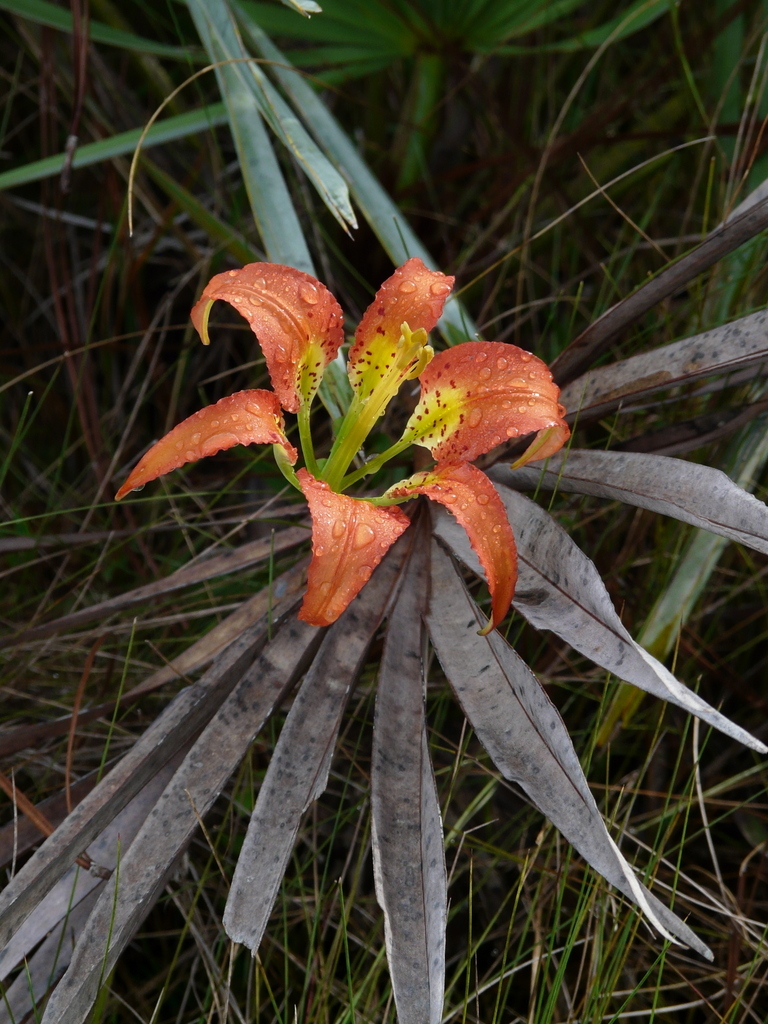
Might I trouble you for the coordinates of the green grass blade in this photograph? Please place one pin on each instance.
(305, 7)
(168, 130)
(44, 13)
(270, 200)
(388, 223)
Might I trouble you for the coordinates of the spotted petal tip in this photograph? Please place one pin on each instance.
(415, 295)
(471, 497)
(247, 417)
(480, 394)
(298, 322)
(349, 538)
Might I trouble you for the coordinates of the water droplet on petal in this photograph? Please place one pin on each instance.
(233, 273)
(261, 282)
(525, 356)
(319, 550)
(139, 488)
(511, 432)
(191, 456)
(179, 445)
(214, 423)
(485, 373)
(324, 587)
(483, 499)
(561, 410)
(482, 356)
(522, 408)
(439, 288)
(338, 528)
(364, 535)
(474, 417)
(327, 502)
(496, 529)
(308, 292)
(449, 499)
(506, 404)
(406, 287)
(195, 439)
(501, 362)
(365, 571)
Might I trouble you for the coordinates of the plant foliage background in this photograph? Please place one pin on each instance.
(487, 124)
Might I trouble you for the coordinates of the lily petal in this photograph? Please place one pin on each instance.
(471, 497)
(247, 417)
(298, 322)
(415, 295)
(349, 539)
(478, 395)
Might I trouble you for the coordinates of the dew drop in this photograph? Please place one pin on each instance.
(439, 288)
(496, 529)
(324, 587)
(406, 287)
(261, 282)
(364, 535)
(139, 488)
(483, 499)
(561, 410)
(531, 401)
(191, 456)
(522, 408)
(501, 362)
(233, 273)
(319, 550)
(482, 356)
(308, 292)
(179, 445)
(474, 417)
(338, 528)
(195, 439)
(365, 571)
(506, 404)
(525, 356)
(518, 382)
(327, 502)
(485, 373)
(214, 423)
(449, 499)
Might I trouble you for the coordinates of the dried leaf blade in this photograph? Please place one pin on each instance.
(407, 835)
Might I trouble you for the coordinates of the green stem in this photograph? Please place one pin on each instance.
(375, 464)
(305, 439)
(285, 467)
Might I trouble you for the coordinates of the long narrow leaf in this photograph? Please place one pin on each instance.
(224, 43)
(732, 347)
(406, 830)
(187, 713)
(190, 794)
(298, 770)
(560, 589)
(168, 130)
(526, 738)
(43, 13)
(271, 203)
(388, 223)
(695, 494)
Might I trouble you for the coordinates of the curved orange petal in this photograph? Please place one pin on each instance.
(298, 322)
(471, 497)
(479, 394)
(247, 417)
(414, 295)
(349, 538)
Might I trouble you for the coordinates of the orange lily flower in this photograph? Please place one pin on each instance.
(473, 398)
